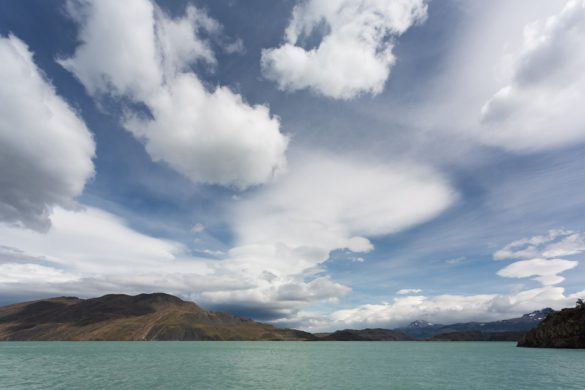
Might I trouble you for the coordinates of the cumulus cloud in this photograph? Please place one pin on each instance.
(209, 136)
(354, 50)
(540, 107)
(46, 149)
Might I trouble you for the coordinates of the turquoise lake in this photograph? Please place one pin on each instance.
(287, 365)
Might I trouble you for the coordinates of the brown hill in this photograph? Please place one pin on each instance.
(562, 329)
(122, 317)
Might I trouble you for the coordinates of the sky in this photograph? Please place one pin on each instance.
(319, 164)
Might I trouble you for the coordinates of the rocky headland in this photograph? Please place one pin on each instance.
(562, 329)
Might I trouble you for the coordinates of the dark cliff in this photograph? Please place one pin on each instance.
(562, 329)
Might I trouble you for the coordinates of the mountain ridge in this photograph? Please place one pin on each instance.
(426, 330)
(120, 317)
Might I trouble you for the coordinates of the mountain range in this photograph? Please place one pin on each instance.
(421, 329)
(162, 316)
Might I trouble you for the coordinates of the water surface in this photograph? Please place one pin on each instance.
(287, 365)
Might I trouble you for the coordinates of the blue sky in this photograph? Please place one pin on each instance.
(318, 164)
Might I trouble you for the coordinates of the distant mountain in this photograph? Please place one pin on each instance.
(422, 324)
(478, 336)
(562, 329)
(123, 317)
(365, 335)
(423, 329)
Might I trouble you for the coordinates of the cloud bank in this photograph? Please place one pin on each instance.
(449, 308)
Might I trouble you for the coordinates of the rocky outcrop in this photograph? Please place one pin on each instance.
(124, 317)
(563, 329)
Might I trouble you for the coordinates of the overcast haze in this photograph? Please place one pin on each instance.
(320, 164)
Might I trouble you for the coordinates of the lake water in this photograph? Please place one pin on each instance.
(287, 365)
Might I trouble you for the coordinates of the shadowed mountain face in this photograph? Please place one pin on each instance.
(123, 317)
(366, 335)
(562, 329)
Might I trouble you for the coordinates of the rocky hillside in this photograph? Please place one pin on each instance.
(562, 329)
(123, 317)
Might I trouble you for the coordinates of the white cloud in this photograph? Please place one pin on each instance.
(409, 291)
(541, 251)
(451, 308)
(209, 136)
(46, 150)
(33, 274)
(354, 54)
(540, 107)
(545, 270)
(287, 229)
(448, 308)
(283, 232)
(557, 242)
(92, 241)
(572, 244)
(89, 252)
(118, 54)
(327, 203)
